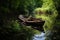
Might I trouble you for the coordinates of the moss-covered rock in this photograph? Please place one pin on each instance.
(48, 13)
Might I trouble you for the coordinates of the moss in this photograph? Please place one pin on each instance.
(48, 5)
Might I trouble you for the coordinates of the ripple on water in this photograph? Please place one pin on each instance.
(39, 36)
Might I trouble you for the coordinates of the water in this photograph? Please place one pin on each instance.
(39, 36)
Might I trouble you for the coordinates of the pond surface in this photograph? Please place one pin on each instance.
(40, 36)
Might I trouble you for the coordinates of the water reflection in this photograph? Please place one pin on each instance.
(39, 36)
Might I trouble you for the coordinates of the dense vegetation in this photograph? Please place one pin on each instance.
(11, 28)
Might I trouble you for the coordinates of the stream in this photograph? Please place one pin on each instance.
(40, 36)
